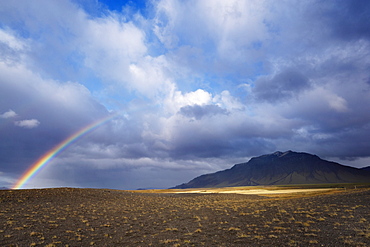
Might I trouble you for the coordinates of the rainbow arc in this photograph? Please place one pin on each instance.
(52, 153)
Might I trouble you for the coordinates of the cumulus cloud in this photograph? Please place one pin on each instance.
(176, 99)
(199, 85)
(28, 124)
(197, 111)
(223, 35)
(8, 114)
(111, 56)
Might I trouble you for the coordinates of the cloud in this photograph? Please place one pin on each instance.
(197, 86)
(11, 41)
(197, 111)
(28, 124)
(350, 24)
(177, 99)
(286, 84)
(111, 56)
(61, 108)
(221, 35)
(8, 114)
(174, 19)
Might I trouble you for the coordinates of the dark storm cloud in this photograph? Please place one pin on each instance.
(44, 113)
(348, 20)
(198, 111)
(284, 85)
(196, 147)
(199, 85)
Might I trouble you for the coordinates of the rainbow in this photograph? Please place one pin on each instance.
(48, 156)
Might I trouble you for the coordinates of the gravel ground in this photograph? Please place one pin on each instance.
(100, 217)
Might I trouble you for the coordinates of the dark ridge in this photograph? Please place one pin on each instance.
(281, 168)
(367, 168)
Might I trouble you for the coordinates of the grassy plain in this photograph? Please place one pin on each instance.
(101, 217)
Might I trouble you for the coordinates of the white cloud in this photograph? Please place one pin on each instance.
(225, 36)
(179, 99)
(226, 100)
(12, 48)
(186, 80)
(11, 41)
(227, 23)
(8, 114)
(165, 21)
(337, 103)
(148, 77)
(235, 24)
(28, 124)
(201, 97)
(116, 50)
(110, 46)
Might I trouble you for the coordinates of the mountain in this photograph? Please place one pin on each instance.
(367, 168)
(281, 168)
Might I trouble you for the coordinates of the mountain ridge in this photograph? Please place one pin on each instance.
(367, 168)
(280, 168)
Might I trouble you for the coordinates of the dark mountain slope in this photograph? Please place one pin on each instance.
(281, 168)
(366, 168)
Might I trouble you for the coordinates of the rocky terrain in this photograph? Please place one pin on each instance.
(100, 217)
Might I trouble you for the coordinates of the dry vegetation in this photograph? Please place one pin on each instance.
(91, 217)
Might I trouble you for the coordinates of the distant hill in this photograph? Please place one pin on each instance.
(281, 168)
(366, 168)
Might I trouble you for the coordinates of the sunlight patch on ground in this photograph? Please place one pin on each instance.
(256, 191)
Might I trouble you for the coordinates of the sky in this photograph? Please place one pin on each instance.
(194, 87)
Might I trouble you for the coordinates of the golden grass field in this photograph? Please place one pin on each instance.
(240, 216)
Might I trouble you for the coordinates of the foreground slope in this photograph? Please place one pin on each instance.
(279, 169)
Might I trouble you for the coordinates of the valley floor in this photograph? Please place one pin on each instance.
(100, 217)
